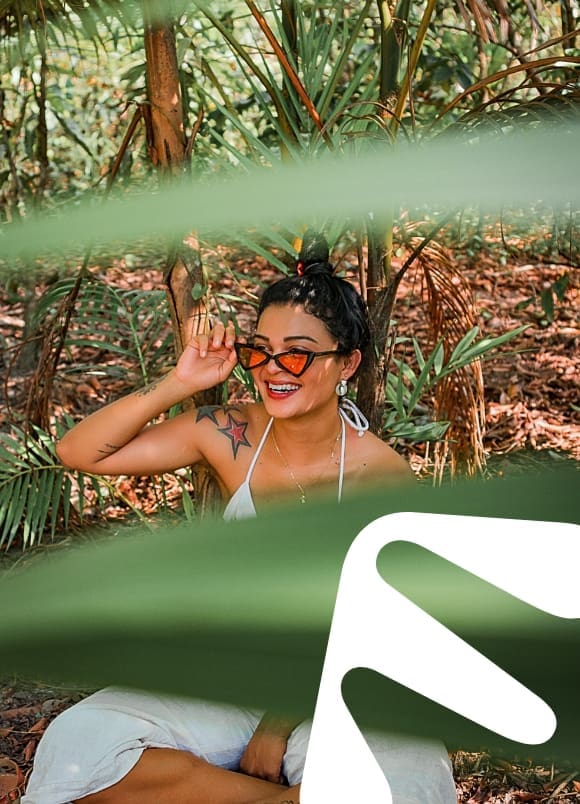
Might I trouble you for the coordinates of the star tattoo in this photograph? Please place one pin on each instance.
(236, 432)
(209, 412)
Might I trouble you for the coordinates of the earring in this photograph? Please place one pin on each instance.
(341, 388)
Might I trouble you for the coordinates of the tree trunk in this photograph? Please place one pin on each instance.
(373, 371)
(168, 151)
(166, 133)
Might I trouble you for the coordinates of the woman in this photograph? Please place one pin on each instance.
(121, 746)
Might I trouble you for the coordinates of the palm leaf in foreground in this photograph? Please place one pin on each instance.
(241, 611)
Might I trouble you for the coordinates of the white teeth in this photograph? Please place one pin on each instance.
(284, 387)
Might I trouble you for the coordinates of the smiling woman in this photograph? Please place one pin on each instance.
(120, 746)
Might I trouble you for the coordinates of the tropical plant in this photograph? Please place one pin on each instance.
(37, 494)
(297, 82)
(130, 324)
(409, 418)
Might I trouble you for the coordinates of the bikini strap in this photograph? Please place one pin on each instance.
(353, 415)
(258, 450)
(342, 457)
(348, 412)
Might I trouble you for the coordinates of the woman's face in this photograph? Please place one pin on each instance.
(282, 328)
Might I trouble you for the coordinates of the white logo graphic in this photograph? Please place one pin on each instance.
(376, 627)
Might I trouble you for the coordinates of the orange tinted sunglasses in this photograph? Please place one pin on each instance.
(294, 362)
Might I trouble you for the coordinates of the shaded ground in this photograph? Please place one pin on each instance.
(532, 419)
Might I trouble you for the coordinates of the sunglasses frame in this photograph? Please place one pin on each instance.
(310, 356)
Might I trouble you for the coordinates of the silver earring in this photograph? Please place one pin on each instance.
(341, 388)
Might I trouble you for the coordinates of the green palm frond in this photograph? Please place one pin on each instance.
(335, 70)
(18, 17)
(38, 495)
(549, 92)
(35, 489)
(559, 104)
(132, 324)
(407, 416)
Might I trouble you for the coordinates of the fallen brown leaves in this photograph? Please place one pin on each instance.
(481, 777)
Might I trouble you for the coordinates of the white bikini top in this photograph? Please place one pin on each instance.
(241, 503)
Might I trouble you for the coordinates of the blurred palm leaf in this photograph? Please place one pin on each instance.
(175, 612)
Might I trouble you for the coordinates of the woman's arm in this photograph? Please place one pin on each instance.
(116, 440)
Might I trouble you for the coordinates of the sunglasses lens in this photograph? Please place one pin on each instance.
(294, 363)
(251, 358)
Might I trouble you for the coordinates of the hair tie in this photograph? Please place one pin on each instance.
(300, 268)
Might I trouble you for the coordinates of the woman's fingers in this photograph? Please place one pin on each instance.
(230, 334)
(220, 335)
(223, 335)
(201, 342)
(217, 335)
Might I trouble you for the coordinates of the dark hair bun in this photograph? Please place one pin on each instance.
(332, 300)
(313, 257)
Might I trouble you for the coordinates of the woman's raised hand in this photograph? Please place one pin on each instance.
(208, 359)
(115, 439)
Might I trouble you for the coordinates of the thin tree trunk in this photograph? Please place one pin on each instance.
(168, 150)
(167, 144)
(568, 23)
(290, 27)
(373, 371)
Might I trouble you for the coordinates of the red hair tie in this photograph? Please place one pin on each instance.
(300, 268)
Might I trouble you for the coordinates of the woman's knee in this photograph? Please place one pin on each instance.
(67, 734)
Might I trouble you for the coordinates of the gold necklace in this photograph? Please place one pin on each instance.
(289, 468)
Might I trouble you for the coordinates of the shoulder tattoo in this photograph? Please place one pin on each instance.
(209, 412)
(236, 432)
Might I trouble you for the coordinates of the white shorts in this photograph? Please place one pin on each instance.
(96, 742)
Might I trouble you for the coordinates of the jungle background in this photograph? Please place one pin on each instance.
(475, 370)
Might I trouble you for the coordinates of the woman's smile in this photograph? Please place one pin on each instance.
(280, 390)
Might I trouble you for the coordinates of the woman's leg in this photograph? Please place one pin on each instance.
(291, 795)
(177, 777)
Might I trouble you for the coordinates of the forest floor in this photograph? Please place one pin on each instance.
(533, 422)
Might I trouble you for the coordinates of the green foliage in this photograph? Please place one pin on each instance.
(266, 118)
(130, 324)
(407, 416)
(38, 495)
(177, 612)
(35, 490)
(84, 48)
(556, 289)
